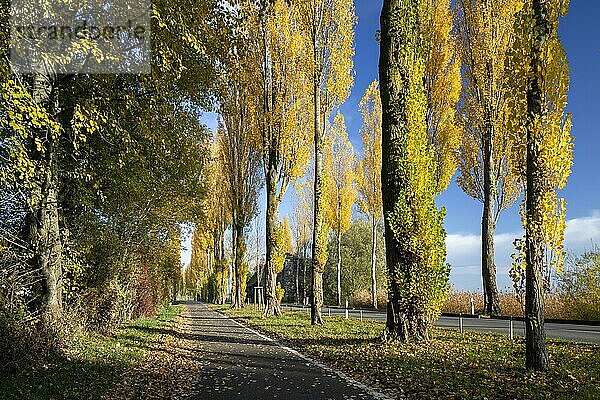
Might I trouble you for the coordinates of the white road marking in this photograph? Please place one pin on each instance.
(371, 391)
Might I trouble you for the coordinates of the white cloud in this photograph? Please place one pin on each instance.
(582, 232)
(464, 250)
(464, 255)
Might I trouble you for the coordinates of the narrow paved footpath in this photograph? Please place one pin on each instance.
(236, 363)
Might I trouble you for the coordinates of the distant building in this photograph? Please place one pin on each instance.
(295, 289)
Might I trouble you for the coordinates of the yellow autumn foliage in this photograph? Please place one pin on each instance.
(485, 37)
(551, 134)
(442, 86)
(368, 170)
(417, 271)
(283, 244)
(340, 166)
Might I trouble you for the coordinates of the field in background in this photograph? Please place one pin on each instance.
(556, 306)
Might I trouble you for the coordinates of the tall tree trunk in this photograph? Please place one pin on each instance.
(235, 241)
(43, 219)
(304, 250)
(223, 288)
(238, 266)
(488, 227)
(339, 267)
(271, 307)
(44, 234)
(297, 277)
(373, 264)
(238, 260)
(259, 272)
(223, 291)
(536, 355)
(405, 319)
(233, 276)
(319, 245)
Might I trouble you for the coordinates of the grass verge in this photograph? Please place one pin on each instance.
(451, 365)
(91, 364)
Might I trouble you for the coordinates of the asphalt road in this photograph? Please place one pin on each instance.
(575, 333)
(238, 363)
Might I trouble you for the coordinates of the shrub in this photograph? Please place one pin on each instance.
(24, 342)
(579, 285)
(279, 293)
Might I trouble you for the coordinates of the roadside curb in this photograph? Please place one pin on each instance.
(505, 318)
(466, 315)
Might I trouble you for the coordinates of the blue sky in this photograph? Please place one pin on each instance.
(580, 32)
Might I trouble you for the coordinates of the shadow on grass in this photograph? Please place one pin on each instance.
(96, 363)
(74, 379)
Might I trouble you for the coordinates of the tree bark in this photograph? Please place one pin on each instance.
(297, 277)
(223, 288)
(339, 267)
(319, 245)
(304, 251)
(237, 242)
(536, 355)
(239, 239)
(44, 234)
(373, 264)
(271, 307)
(405, 320)
(234, 303)
(488, 227)
(43, 219)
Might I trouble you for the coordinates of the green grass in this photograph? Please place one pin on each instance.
(91, 365)
(451, 365)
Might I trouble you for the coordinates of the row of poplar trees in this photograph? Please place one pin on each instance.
(285, 68)
(479, 86)
(514, 134)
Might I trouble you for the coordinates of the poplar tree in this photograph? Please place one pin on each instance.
(544, 155)
(239, 138)
(340, 166)
(486, 34)
(329, 27)
(368, 176)
(215, 218)
(284, 125)
(415, 249)
(240, 156)
(198, 271)
(302, 232)
(442, 88)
